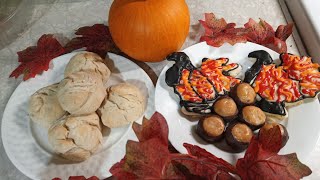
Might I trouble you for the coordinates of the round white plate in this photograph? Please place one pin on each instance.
(303, 123)
(26, 143)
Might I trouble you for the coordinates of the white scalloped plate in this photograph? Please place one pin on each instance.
(303, 123)
(26, 143)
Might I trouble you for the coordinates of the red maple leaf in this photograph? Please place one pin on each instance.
(156, 127)
(36, 59)
(96, 38)
(149, 157)
(145, 159)
(263, 33)
(260, 33)
(261, 160)
(218, 31)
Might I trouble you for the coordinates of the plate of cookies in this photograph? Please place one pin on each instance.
(218, 98)
(73, 118)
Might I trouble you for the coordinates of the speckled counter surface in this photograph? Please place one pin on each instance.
(63, 17)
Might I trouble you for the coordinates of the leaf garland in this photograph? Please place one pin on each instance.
(97, 38)
(218, 32)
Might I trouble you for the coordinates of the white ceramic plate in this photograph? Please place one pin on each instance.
(26, 143)
(303, 123)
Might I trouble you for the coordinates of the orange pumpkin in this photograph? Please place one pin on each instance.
(149, 30)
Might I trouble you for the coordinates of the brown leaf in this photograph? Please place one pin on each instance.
(96, 38)
(284, 31)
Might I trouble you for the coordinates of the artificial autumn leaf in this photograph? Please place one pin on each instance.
(271, 140)
(149, 157)
(200, 163)
(208, 157)
(218, 31)
(96, 38)
(36, 59)
(284, 31)
(83, 178)
(278, 42)
(263, 33)
(261, 160)
(221, 38)
(118, 171)
(193, 168)
(214, 25)
(277, 45)
(156, 127)
(146, 159)
(260, 33)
